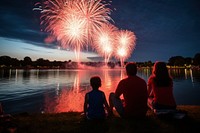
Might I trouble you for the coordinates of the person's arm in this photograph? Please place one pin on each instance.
(149, 88)
(119, 90)
(86, 104)
(106, 104)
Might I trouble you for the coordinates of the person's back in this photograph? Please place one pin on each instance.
(162, 95)
(134, 91)
(96, 104)
(160, 88)
(95, 101)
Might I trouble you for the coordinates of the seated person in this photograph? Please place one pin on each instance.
(134, 90)
(95, 105)
(160, 88)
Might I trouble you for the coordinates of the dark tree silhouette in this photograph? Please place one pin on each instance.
(42, 62)
(5, 60)
(15, 62)
(27, 61)
(188, 60)
(197, 59)
(176, 61)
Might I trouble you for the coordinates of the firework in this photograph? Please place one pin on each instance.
(73, 22)
(104, 41)
(95, 13)
(125, 41)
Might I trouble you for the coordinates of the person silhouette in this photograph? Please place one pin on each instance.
(95, 104)
(134, 91)
(160, 88)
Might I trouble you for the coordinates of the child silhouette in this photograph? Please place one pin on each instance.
(95, 104)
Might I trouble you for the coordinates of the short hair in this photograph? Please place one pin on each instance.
(131, 69)
(95, 82)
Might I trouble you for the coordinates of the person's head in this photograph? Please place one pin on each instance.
(95, 82)
(160, 72)
(160, 69)
(131, 69)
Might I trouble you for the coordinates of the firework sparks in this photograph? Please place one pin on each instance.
(125, 44)
(104, 41)
(95, 13)
(78, 23)
(73, 22)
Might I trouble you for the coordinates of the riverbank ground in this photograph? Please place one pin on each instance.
(73, 122)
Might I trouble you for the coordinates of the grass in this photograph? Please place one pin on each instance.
(73, 122)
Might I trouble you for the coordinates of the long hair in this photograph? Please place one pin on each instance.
(161, 75)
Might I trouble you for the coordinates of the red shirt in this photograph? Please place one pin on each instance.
(161, 95)
(134, 90)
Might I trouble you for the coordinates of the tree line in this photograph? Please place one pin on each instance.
(27, 62)
(181, 61)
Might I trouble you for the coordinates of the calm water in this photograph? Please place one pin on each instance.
(64, 90)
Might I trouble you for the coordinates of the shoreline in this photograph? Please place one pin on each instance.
(85, 67)
(74, 122)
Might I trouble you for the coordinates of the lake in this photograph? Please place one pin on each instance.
(55, 90)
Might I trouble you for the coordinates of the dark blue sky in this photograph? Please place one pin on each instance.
(164, 28)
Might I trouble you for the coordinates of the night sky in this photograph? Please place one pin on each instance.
(164, 28)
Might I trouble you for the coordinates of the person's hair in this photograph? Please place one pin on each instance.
(131, 69)
(95, 82)
(161, 74)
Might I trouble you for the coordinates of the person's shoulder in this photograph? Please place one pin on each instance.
(141, 79)
(150, 79)
(100, 91)
(152, 76)
(89, 92)
(86, 94)
(141, 82)
(123, 80)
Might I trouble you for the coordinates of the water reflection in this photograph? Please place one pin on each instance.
(191, 75)
(64, 90)
(186, 74)
(71, 97)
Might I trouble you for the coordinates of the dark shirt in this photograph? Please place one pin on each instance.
(134, 90)
(96, 104)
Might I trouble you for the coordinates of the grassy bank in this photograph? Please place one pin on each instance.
(73, 122)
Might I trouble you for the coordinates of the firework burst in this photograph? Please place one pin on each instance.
(104, 41)
(125, 41)
(95, 13)
(79, 23)
(73, 22)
